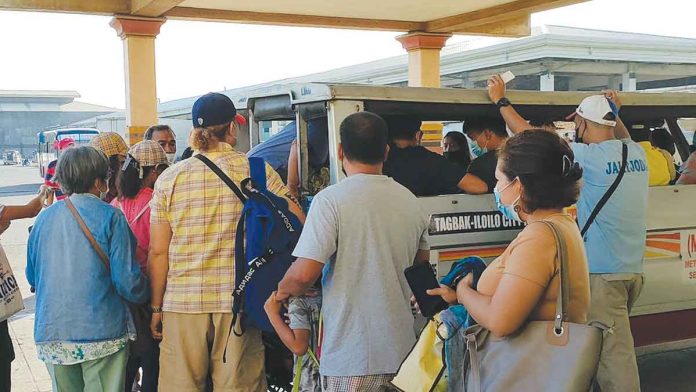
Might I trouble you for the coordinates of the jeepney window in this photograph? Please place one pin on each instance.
(688, 127)
(270, 128)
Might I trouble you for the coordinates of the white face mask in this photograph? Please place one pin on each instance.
(171, 157)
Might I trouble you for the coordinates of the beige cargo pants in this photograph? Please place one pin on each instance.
(613, 296)
(193, 346)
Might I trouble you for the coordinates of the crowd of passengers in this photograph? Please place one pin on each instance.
(162, 236)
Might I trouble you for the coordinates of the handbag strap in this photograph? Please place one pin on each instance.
(564, 284)
(85, 230)
(609, 192)
(472, 349)
(224, 177)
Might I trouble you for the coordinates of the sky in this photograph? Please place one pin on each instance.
(45, 51)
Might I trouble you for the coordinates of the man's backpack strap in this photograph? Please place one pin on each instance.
(610, 191)
(224, 177)
(257, 169)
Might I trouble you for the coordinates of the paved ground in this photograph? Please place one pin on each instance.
(673, 371)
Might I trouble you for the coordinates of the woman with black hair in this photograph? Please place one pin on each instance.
(455, 148)
(136, 180)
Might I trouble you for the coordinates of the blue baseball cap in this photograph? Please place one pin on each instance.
(212, 109)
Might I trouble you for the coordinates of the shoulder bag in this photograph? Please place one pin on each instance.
(140, 312)
(546, 356)
(10, 297)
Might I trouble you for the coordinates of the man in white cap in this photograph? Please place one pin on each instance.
(612, 214)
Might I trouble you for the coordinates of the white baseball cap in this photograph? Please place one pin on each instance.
(595, 108)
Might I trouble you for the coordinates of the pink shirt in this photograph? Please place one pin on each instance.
(137, 212)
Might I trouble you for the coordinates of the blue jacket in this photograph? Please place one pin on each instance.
(76, 299)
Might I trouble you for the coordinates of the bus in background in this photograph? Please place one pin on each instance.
(47, 153)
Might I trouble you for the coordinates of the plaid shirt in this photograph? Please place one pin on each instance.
(203, 214)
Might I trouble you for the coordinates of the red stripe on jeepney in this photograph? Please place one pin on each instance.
(480, 252)
(670, 236)
(663, 327)
(670, 246)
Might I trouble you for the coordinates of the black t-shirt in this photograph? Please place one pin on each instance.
(483, 167)
(422, 171)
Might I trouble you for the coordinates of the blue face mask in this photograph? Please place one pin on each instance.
(476, 150)
(508, 211)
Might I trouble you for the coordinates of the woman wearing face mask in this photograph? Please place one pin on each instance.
(455, 148)
(115, 149)
(136, 179)
(537, 178)
(82, 324)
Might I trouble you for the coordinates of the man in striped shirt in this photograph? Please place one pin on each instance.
(193, 222)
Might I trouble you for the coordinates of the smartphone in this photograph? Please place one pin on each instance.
(421, 277)
(507, 76)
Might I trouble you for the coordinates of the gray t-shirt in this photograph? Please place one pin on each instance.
(367, 230)
(304, 313)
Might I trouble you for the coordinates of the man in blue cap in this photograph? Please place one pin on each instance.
(192, 261)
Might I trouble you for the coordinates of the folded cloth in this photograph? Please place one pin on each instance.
(452, 319)
(463, 267)
(456, 317)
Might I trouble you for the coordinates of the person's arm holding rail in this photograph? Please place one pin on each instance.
(496, 92)
(620, 130)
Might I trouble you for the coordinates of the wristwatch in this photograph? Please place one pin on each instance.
(156, 309)
(503, 102)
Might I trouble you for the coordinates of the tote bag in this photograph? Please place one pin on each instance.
(550, 356)
(10, 298)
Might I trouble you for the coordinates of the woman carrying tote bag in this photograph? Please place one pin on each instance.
(529, 336)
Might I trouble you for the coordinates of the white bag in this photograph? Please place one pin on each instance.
(10, 298)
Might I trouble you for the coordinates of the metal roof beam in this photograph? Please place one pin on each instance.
(153, 8)
(290, 19)
(519, 26)
(72, 6)
(470, 21)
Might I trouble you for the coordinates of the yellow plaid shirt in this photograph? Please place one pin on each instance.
(203, 214)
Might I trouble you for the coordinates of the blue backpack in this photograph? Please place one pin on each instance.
(267, 233)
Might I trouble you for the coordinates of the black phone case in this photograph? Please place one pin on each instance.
(421, 277)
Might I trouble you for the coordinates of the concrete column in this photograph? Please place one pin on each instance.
(614, 83)
(138, 35)
(628, 82)
(546, 82)
(424, 71)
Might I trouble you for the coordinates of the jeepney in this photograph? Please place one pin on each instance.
(463, 225)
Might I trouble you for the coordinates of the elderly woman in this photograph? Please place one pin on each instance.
(83, 325)
(537, 179)
(115, 149)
